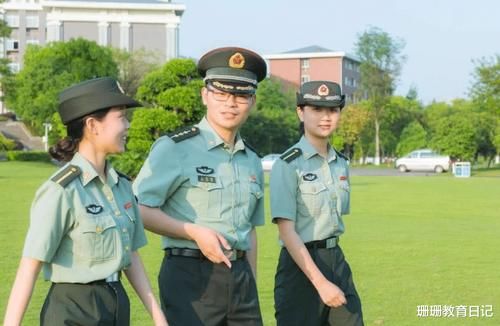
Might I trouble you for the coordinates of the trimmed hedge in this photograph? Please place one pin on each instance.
(32, 156)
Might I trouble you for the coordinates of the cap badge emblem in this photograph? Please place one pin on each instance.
(237, 60)
(323, 90)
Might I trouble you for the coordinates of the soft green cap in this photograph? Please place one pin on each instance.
(92, 95)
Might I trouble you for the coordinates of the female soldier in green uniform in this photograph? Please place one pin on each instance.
(309, 195)
(85, 227)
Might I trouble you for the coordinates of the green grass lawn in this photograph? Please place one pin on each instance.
(410, 241)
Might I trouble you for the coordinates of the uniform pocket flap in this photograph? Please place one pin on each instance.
(311, 187)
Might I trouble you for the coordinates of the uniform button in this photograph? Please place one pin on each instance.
(126, 248)
(124, 230)
(98, 229)
(117, 212)
(110, 198)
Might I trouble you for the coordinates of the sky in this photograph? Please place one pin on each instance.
(443, 38)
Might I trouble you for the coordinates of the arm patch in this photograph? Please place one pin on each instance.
(291, 155)
(66, 175)
(184, 133)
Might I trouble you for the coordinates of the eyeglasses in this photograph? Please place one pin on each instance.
(224, 96)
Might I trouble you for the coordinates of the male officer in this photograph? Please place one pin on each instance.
(201, 188)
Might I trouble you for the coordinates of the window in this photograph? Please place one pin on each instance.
(349, 82)
(32, 21)
(304, 79)
(12, 20)
(12, 45)
(304, 63)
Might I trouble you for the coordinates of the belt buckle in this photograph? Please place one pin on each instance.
(115, 277)
(331, 242)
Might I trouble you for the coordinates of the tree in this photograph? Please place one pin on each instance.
(173, 91)
(413, 137)
(47, 70)
(174, 87)
(485, 91)
(133, 66)
(455, 136)
(5, 72)
(380, 67)
(147, 126)
(272, 126)
(354, 119)
(398, 113)
(485, 94)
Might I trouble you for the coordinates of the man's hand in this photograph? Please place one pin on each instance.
(211, 244)
(331, 294)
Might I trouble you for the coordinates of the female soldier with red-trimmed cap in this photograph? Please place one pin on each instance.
(309, 195)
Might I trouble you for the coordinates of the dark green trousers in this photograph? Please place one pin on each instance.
(298, 303)
(195, 292)
(98, 304)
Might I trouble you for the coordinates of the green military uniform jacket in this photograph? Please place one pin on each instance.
(310, 190)
(194, 177)
(82, 228)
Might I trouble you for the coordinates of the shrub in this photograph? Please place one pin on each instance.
(32, 156)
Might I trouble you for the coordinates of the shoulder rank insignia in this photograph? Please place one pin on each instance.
(291, 154)
(342, 155)
(184, 133)
(251, 148)
(123, 175)
(66, 175)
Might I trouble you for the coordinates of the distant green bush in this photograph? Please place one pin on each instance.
(6, 144)
(32, 156)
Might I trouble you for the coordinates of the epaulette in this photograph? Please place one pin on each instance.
(66, 175)
(251, 148)
(184, 133)
(123, 175)
(291, 155)
(342, 155)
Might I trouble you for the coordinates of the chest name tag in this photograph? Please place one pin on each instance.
(309, 177)
(206, 178)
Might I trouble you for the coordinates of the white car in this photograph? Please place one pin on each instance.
(268, 161)
(423, 160)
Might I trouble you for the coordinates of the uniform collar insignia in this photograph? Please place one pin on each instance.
(342, 178)
(94, 209)
(309, 177)
(204, 170)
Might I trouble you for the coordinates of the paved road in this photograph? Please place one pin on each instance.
(387, 172)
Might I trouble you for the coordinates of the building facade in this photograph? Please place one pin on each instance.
(128, 24)
(316, 63)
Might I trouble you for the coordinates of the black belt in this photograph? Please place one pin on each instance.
(325, 243)
(196, 253)
(115, 277)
